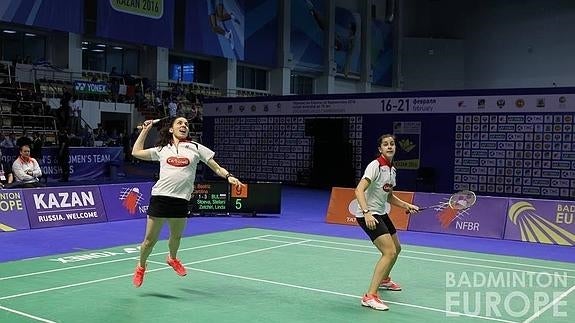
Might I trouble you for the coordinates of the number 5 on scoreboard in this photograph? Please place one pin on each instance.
(240, 191)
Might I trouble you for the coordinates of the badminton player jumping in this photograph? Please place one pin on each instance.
(373, 192)
(178, 159)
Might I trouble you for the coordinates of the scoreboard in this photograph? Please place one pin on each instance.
(220, 198)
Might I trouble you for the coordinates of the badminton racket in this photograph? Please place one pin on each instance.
(155, 121)
(458, 201)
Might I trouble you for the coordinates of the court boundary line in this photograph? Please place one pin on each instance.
(419, 258)
(548, 306)
(127, 258)
(147, 271)
(279, 236)
(438, 254)
(302, 241)
(340, 294)
(30, 316)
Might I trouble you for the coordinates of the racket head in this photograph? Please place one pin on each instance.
(462, 200)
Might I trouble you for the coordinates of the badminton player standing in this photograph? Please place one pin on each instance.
(373, 193)
(170, 195)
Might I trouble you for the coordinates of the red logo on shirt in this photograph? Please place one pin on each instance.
(178, 161)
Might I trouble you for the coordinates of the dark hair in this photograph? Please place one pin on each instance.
(380, 140)
(165, 137)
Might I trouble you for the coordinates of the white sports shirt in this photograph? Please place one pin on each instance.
(382, 177)
(178, 166)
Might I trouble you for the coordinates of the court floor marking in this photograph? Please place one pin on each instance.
(337, 293)
(129, 258)
(548, 306)
(432, 254)
(285, 243)
(33, 317)
(420, 258)
(147, 271)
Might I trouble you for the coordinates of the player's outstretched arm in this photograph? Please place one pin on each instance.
(222, 172)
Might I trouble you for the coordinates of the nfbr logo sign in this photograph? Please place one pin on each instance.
(126, 201)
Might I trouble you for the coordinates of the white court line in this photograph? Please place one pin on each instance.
(301, 242)
(418, 258)
(432, 254)
(36, 318)
(129, 258)
(344, 294)
(147, 271)
(548, 306)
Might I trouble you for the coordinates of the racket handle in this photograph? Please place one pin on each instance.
(153, 123)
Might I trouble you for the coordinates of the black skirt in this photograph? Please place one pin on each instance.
(168, 207)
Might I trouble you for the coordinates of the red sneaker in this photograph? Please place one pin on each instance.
(374, 302)
(139, 276)
(177, 265)
(389, 284)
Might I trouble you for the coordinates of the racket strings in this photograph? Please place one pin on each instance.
(462, 200)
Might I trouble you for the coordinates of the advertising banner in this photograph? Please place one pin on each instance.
(147, 22)
(484, 219)
(382, 48)
(85, 162)
(394, 103)
(261, 32)
(408, 141)
(347, 37)
(59, 206)
(216, 28)
(13, 214)
(309, 26)
(52, 14)
(342, 207)
(542, 221)
(126, 201)
(85, 87)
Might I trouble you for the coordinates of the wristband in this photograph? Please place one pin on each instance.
(228, 175)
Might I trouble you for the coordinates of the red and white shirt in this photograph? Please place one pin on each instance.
(178, 164)
(381, 174)
(21, 167)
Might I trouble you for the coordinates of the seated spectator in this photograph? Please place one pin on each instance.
(6, 177)
(26, 170)
(9, 141)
